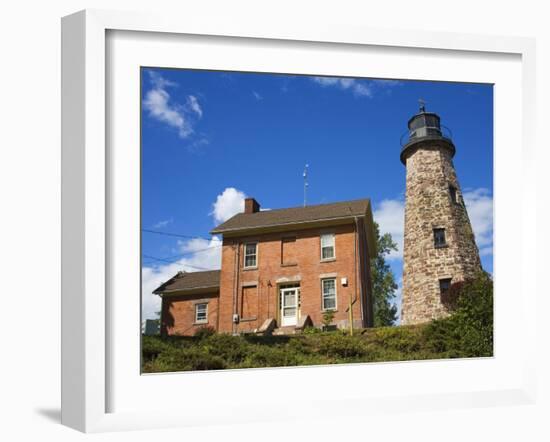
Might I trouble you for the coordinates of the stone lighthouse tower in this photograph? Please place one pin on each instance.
(439, 247)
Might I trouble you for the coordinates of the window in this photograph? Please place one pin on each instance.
(329, 293)
(453, 194)
(251, 255)
(327, 246)
(201, 312)
(444, 285)
(439, 238)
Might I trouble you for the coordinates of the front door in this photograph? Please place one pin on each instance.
(289, 306)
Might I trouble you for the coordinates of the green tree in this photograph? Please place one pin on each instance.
(383, 281)
(468, 332)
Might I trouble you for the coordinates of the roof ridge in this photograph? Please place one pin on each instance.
(306, 207)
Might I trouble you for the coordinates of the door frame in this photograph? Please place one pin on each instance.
(281, 290)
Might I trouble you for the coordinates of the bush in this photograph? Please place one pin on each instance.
(341, 346)
(184, 359)
(232, 349)
(152, 346)
(468, 332)
(204, 332)
(311, 331)
(328, 316)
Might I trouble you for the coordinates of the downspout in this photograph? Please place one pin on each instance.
(361, 276)
(218, 313)
(354, 300)
(235, 286)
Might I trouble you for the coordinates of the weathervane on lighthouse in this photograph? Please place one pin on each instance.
(422, 104)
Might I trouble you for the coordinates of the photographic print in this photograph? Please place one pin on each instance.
(295, 220)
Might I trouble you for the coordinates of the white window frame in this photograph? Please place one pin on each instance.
(255, 254)
(335, 308)
(201, 321)
(333, 257)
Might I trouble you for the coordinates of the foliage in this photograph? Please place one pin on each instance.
(311, 330)
(383, 281)
(468, 332)
(205, 331)
(328, 316)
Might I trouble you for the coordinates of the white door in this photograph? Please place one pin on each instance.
(289, 306)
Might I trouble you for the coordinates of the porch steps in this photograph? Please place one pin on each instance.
(285, 331)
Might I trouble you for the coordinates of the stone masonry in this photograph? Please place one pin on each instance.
(433, 201)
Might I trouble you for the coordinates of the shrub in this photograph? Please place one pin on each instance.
(204, 332)
(232, 349)
(328, 316)
(311, 331)
(468, 332)
(152, 346)
(341, 346)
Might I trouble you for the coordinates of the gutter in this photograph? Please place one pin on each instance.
(241, 229)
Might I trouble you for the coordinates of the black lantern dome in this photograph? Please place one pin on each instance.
(425, 128)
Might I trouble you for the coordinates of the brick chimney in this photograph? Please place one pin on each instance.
(251, 205)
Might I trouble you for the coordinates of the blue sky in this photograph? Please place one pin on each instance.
(210, 138)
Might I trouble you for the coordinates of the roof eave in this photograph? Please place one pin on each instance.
(189, 291)
(286, 226)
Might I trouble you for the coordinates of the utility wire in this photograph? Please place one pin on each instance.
(177, 235)
(192, 252)
(172, 262)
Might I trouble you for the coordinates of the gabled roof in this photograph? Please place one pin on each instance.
(190, 281)
(296, 215)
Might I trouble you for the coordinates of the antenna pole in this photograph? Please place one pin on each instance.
(305, 184)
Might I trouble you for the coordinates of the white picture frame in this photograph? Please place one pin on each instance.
(86, 353)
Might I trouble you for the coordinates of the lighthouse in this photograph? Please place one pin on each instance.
(439, 243)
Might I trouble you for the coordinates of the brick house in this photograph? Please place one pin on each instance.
(280, 268)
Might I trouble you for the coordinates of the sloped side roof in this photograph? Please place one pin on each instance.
(185, 281)
(294, 215)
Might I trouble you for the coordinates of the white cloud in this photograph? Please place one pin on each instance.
(387, 83)
(199, 253)
(163, 223)
(257, 96)
(390, 216)
(479, 204)
(228, 203)
(357, 87)
(194, 255)
(194, 105)
(161, 107)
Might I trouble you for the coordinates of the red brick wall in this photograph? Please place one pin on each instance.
(306, 271)
(178, 313)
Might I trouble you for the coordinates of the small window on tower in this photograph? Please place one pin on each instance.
(452, 192)
(439, 238)
(444, 285)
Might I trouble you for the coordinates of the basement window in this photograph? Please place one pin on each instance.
(251, 255)
(439, 238)
(201, 313)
